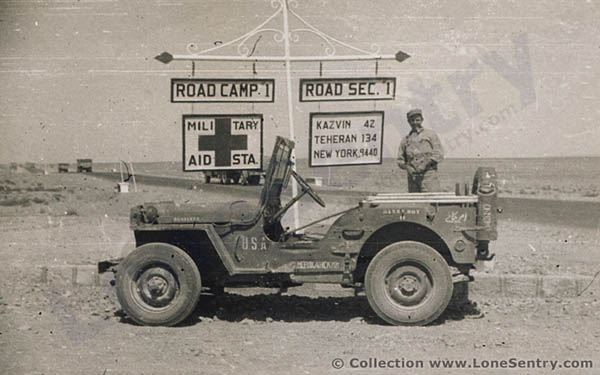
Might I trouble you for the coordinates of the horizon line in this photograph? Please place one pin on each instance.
(306, 158)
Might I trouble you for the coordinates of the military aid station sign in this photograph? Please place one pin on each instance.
(193, 90)
(345, 138)
(347, 89)
(221, 142)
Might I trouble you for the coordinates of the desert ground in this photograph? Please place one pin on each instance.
(53, 327)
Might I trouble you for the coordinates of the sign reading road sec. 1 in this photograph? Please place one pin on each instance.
(337, 89)
(345, 138)
(217, 142)
(193, 90)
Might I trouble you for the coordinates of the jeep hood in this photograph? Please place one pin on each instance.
(175, 213)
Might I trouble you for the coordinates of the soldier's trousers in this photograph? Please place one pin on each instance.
(427, 182)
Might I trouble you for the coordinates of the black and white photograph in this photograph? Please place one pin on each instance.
(299, 187)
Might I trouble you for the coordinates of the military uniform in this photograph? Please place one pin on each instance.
(419, 153)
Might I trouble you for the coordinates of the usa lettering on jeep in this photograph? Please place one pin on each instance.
(253, 243)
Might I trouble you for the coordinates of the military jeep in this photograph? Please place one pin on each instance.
(407, 251)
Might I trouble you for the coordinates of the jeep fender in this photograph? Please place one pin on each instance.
(366, 231)
(452, 245)
(155, 233)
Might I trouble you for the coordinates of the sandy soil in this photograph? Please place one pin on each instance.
(79, 219)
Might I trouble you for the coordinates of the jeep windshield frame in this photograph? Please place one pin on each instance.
(277, 176)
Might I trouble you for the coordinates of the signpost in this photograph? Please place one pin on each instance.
(285, 35)
(222, 142)
(347, 89)
(197, 90)
(346, 138)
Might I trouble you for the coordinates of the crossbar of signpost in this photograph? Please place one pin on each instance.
(283, 35)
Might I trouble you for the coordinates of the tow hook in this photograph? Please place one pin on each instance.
(462, 278)
(483, 251)
(486, 256)
(109, 265)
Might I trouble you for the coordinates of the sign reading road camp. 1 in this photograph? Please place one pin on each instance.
(338, 89)
(345, 138)
(220, 142)
(190, 90)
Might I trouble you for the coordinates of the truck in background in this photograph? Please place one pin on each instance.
(63, 167)
(84, 165)
(235, 176)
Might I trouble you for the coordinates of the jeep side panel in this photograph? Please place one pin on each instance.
(200, 241)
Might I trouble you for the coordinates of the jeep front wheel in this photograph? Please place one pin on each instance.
(408, 283)
(158, 284)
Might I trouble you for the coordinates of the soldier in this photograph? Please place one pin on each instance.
(419, 154)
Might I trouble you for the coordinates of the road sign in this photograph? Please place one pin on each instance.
(347, 89)
(345, 138)
(220, 142)
(198, 90)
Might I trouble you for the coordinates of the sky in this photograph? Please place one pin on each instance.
(494, 78)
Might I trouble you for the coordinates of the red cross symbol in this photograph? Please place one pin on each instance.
(223, 142)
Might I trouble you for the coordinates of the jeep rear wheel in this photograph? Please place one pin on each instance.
(158, 284)
(408, 283)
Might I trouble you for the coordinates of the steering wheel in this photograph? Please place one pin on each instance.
(306, 187)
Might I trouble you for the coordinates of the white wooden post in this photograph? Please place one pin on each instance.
(288, 75)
